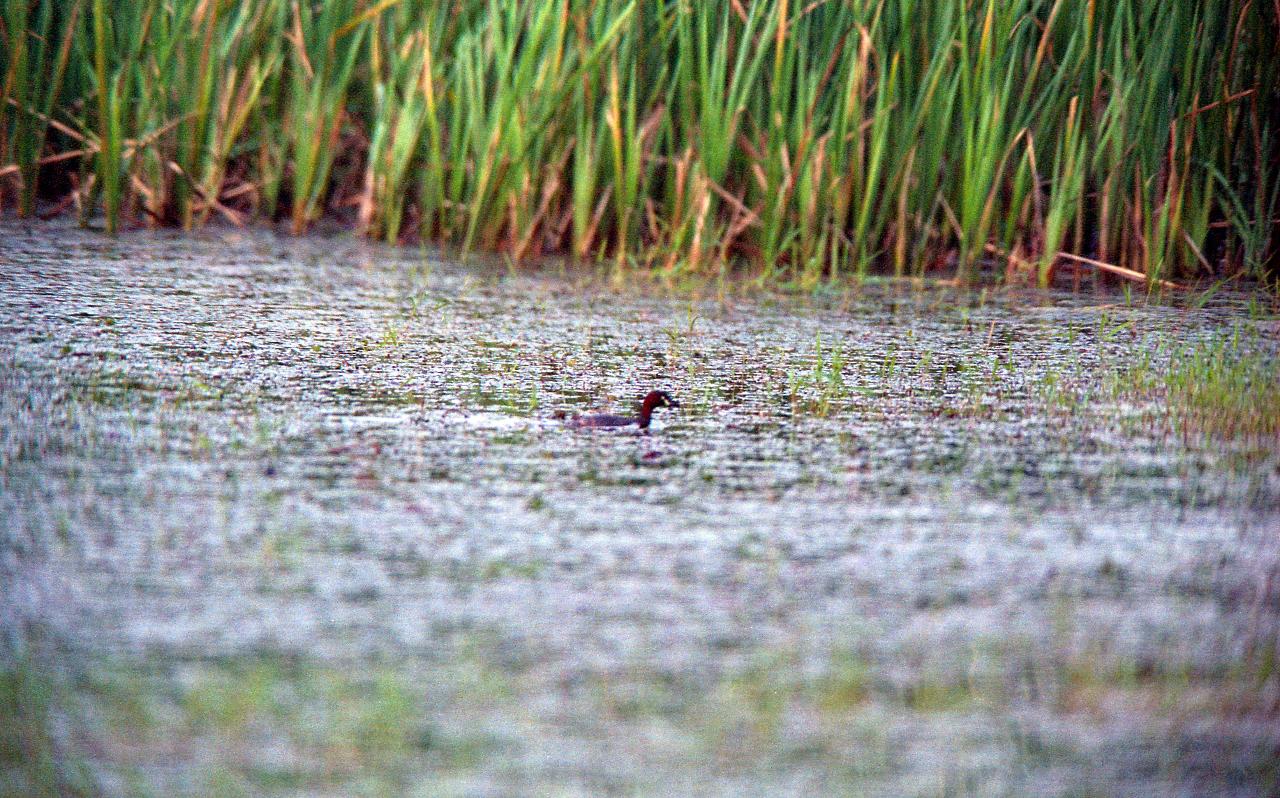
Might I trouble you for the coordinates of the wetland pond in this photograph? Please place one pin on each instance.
(297, 517)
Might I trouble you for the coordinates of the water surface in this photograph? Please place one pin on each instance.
(298, 517)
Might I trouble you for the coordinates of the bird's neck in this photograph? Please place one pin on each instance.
(646, 412)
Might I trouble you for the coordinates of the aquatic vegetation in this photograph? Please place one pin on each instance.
(819, 389)
(802, 141)
(1222, 388)
(33, 759)
(392, 335)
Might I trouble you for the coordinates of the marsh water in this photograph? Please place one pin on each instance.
(301, 517)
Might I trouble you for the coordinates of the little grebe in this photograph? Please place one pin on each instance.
(605, 420)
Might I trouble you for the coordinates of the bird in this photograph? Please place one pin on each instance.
(652, 400)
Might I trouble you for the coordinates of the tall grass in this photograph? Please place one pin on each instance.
(800, 140)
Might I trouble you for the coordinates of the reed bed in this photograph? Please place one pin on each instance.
(801, 141)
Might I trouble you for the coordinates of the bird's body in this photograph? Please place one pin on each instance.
(605, 420)
(652, 400)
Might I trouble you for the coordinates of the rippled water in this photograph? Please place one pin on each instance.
(299, 517)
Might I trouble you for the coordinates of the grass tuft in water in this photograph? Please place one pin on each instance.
(1220, 389)
(821, 389)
